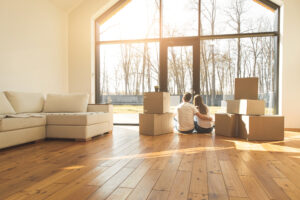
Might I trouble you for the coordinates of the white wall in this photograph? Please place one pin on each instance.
(81, 45)
(291, 63)
(33, 46)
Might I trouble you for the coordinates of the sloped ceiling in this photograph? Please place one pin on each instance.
(69, 5)
(278, 2)
(66, 5)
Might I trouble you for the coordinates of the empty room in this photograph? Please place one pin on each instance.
(149, 100)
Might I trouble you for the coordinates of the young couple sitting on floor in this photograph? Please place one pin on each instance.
(190, 117)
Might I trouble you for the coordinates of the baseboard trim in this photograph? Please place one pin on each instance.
(292, 129)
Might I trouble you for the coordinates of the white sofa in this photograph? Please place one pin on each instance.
(27, 117)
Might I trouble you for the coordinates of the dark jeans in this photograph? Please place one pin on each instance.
(185, 132)
(202, 130)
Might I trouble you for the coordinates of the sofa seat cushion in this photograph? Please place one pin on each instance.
(15, 122)
(76, 119)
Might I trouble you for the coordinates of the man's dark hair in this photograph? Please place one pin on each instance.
(187, 97)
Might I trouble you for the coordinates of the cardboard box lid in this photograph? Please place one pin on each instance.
(246, 88)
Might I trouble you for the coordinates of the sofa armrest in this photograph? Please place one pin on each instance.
(108, 108)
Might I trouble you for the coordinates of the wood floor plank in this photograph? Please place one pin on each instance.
(253, 189)
(160, 163)
(18, 196)
(174, 166)
(46, 192)
(232, 180)
(82, 192)
(292, 175)
(134, 163)
(186, 162)
(195, 196)
(199, 176)
(167, 177)
(120, 194)
(142, 191)
(158, 195)
(105, 190)
(216, 187)
(265, 180)
(10, 188)
(103, 177)
(76, 184)
(47, 181)
(138, 174)
(180, 188)
(289, 188)
(212, 162)
(239, 165)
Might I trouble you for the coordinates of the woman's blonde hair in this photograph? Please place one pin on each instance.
(198, 102)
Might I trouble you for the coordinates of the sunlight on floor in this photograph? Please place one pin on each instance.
(265, 146)
(74, 167)
(168, 153)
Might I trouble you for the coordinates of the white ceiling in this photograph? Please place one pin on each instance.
(66, 5)
(278, 2)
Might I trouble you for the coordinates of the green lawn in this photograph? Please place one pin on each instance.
(139, 109)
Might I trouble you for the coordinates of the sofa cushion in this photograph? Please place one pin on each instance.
(15, 123)
(76, 119)
(24, 102)
(5, 106)
(66, 103)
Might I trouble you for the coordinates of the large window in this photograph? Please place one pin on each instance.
(185, 45)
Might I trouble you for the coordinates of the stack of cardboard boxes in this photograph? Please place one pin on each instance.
(156, 119)
(245, 115)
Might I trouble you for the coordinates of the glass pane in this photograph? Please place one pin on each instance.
(217, 72)
(180, 18)
(126, 71)
(235, 16)
(139, 19)
(180, 72)
(259, 60)
(224, 60)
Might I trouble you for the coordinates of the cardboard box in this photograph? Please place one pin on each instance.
(246, 88)
(246, 107)
(226, 124)
(264, 127)
(156, 124)
(156, 102)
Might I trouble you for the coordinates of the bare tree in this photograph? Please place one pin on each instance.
(235, 12)
(125, 64)
(209, 12)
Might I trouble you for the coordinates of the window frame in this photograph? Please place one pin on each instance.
(164, 42)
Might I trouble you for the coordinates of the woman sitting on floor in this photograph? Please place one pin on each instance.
(202, 126)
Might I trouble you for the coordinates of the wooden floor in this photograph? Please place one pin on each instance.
(124, 165)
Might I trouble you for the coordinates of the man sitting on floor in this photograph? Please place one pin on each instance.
(185, 115)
